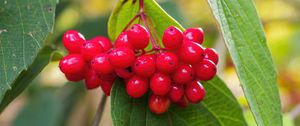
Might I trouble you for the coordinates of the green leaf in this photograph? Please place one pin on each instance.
(125, 10)
(24, 24)
(219, 108)
(26, 77)
(246, 42)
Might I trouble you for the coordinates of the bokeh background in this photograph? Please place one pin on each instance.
(53, 101)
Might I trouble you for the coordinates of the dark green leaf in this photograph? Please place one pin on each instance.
(246, 42)
(24, 24)
(219, 108)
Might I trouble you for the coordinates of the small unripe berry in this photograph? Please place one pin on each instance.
(72, 64)
(138, 36)
(205, 70)
(212, 55)
(183, 74)
(101, 64)
(172, 38)
(122, 41)
(73, 40)
(166, 62)
(89, 49)
(191, 52)
(159, 104)
(104, 42)
(137, 86)
(121, 57)
(144, 65)
(160, 84)
(194, 92)
(176, 93)
(92, 79)
(194, 34)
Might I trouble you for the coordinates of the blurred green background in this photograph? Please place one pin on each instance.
(52, 101)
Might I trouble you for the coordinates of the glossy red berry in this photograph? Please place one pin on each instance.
(205, 70)
(122, 41)
(73, 40)
(72, 64)
(166, 62)
(159, 104)
(160, 84)
(101, 64)
(104, 42)
(121, 57)
(194, 92)
(212, 55)
(176, 93)
(144, 65)
(106, 86)
(183, 102)
(172, 38)
(137, 86)
(194, 34)
(125, 73)
(183, 74)
(89, 49)
(92, 79)
(75, 77)
(138, 36)
(191, 52)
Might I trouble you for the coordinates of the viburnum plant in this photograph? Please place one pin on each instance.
(171, 72)
(148, 62)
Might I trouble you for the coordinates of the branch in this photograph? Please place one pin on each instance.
(100, 110)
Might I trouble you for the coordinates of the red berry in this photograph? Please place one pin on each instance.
(212, 55)
(176, 93)
(92, 79)
(125, 73)
(104, 42)
(122, 41)
(194, 34)
(172, 38)
(194, 92)
(106, 86)
(73, 40)
(183, 74)
(75, 77)
(205, 70)
(137, 86)
(89, 49)
(72, 64)
(158, 104)
(110, 77)
(183, 102)
(160, 84)
(101, 64)
(144, 65)
(166, 62)
(138, 36)
(121, 57)
(191, 52)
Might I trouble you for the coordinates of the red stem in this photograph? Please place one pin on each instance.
(130, 22)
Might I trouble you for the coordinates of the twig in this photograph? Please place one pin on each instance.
(100, 110)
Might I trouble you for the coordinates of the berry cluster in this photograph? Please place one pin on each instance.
(172, 73)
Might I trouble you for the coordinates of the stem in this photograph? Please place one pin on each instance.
(143, 16)
(100, 110)
(130, 22)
